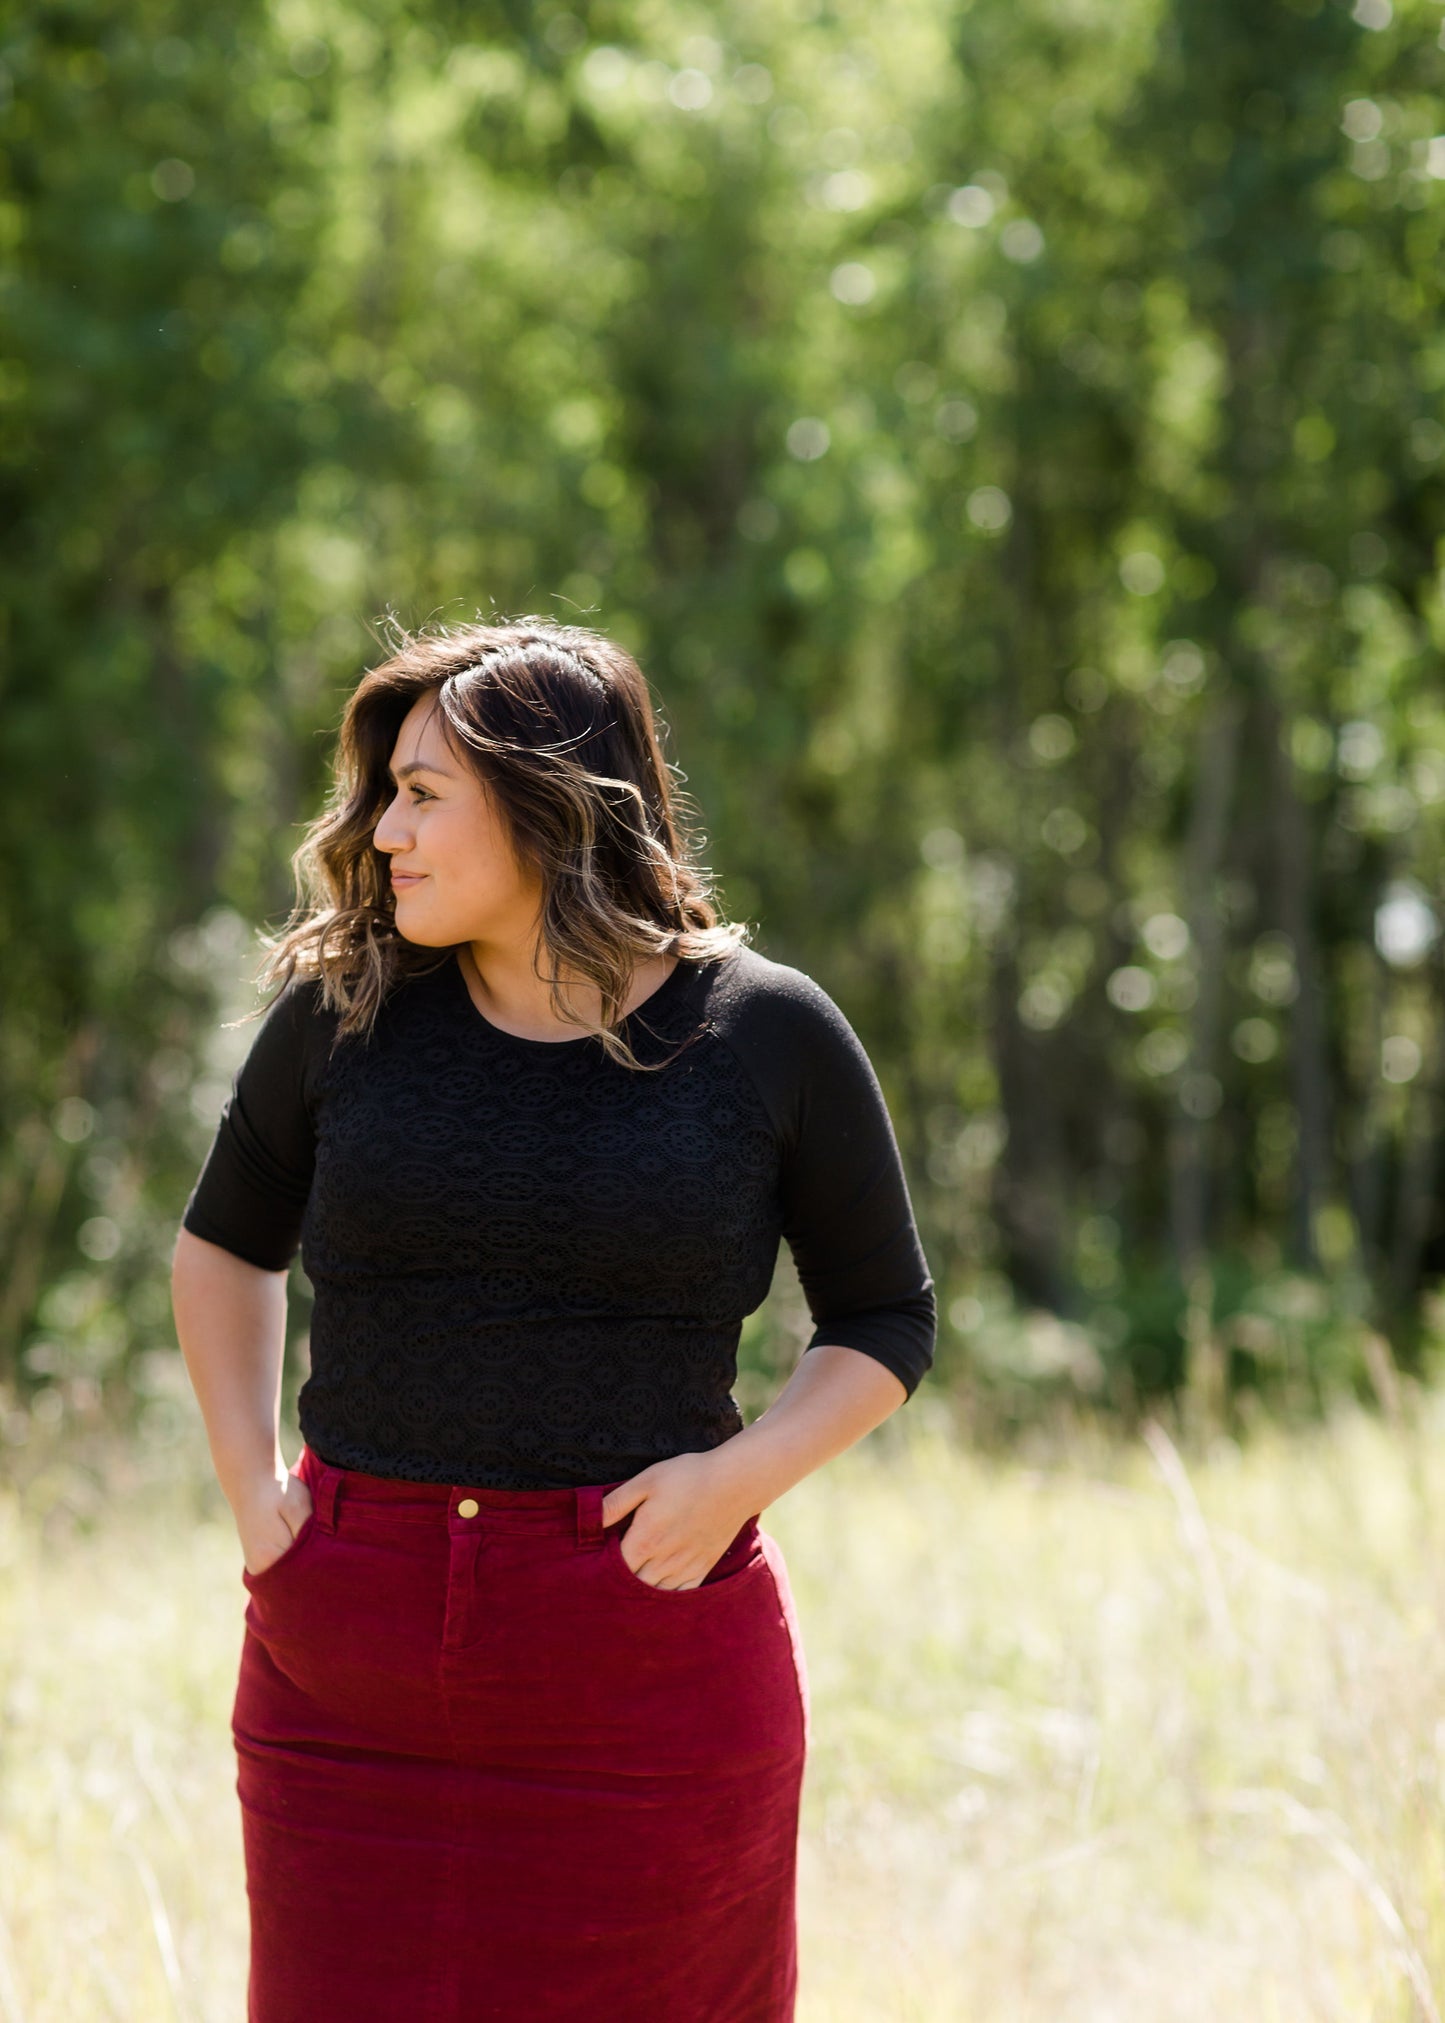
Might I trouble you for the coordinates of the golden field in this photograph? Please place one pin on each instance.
(1106, 1732)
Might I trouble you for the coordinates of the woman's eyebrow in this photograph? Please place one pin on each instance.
(418, 766)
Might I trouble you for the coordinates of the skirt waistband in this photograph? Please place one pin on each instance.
(578, 1510)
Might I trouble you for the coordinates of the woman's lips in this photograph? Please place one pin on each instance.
(401, 879)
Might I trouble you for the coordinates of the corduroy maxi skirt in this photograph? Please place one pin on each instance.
(488, 1772)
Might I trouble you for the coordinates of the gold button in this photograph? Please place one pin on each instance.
(468, 1507)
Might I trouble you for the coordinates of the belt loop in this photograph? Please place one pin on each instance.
(589, 1513)
(326, 1494)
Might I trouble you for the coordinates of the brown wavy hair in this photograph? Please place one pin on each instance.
(558, 723)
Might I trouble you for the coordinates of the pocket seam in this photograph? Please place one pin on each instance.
(298, 1544)
(741, 1577)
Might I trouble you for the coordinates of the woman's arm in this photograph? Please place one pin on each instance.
(848, 1221)
(693, 1504)
(231, 1325)
(834, 1396)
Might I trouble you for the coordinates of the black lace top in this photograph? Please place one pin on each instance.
(531, 1265)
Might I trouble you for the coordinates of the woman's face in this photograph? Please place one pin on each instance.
(453, 872)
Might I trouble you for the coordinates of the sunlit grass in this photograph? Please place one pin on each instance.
(1081, 1749)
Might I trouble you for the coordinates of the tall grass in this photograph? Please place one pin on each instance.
(1106, 1733)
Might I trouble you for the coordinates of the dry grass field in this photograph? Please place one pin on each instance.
(1112, 1736)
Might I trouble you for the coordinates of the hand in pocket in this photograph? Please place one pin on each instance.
(269, 1520)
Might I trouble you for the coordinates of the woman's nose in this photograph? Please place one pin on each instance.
(389, 833)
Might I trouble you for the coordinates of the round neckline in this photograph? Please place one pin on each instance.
(556, 1046)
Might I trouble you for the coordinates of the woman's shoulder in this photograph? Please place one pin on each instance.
(765, 1003)
(791, 1038)
(308, 1007)
(300, 1007)
(294, 1032)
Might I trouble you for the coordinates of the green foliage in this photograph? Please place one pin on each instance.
(1010, 435)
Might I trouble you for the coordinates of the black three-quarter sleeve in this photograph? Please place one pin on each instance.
(253, 1188)
(847, 1216)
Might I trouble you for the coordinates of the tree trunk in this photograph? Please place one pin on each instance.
(1309, 1065)
(1208, 838)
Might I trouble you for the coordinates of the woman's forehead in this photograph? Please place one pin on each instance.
(422, 737)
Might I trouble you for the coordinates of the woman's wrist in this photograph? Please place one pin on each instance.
(758, 1466)
(833, 1397)
(251, 1480)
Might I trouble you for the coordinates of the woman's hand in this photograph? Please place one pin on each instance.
(268, 1517)
(692, 1506)
(688, 1513)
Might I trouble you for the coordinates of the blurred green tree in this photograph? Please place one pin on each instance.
(1011, 439)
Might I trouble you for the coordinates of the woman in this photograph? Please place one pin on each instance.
(522, 1712)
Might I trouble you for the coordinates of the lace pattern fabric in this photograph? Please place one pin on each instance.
(531, 1265)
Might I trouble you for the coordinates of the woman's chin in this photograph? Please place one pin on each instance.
(417, 931)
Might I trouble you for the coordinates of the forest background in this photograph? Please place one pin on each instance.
(1012, 437)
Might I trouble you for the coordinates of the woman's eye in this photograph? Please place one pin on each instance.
(421, 793)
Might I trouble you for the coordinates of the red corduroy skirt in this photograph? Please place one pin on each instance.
(486, 1771)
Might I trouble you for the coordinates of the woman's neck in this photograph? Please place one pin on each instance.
(512, 996)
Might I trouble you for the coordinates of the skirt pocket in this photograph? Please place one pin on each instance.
(738, 1568)
(257, 1581)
